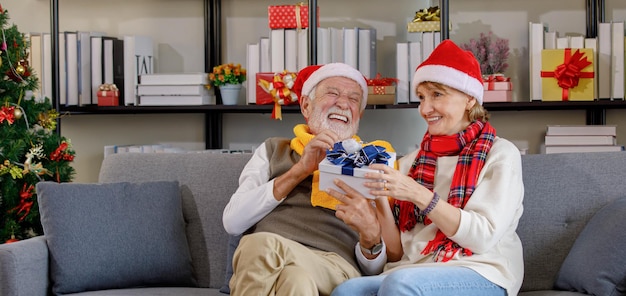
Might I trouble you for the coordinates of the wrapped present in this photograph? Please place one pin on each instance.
(289, 16)
(497, 82)
(381, 91)
(275, 88)
(426, 20)
(108, 95)
(350, 164)
(497, 96)
(567, 74)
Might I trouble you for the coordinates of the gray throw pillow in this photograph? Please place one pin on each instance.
(595, 264)
(233, 242)
(115, 235)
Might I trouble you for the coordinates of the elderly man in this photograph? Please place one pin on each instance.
(297, 240)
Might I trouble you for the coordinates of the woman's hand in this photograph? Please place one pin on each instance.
(390, 182)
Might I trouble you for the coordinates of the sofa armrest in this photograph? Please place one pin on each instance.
(24, 267)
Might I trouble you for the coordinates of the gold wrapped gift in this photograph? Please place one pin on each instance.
(567, 74)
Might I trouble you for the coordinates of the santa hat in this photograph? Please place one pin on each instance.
(454, 67)
(310, 76)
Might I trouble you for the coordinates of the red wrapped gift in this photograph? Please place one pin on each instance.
(275, 88)
(497, 82)
(108, 95)
(497, 96)
(381, 91)
(289, 16)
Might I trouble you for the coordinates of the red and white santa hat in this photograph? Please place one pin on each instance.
(310, 76)
(454, 67)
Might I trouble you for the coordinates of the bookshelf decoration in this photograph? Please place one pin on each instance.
(492, 53)
(276, 89)
(30, 149)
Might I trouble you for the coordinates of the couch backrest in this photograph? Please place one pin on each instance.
(562, 192)
(207, 181)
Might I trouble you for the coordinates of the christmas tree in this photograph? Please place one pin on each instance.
(31, 150)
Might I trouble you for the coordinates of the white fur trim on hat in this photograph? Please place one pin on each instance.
(334, 70)
(450, 77)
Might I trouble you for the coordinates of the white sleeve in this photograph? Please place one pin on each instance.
(254, 198)
(371, 266)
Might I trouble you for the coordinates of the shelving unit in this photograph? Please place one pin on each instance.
(213, 113)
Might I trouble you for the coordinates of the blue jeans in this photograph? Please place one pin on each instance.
(422, 281)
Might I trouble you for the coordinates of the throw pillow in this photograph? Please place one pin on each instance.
(233, 242)
(114, 235)
(595, 264)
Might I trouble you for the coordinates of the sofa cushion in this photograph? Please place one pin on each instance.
(595, 264)
(117, 235)
(233, 242)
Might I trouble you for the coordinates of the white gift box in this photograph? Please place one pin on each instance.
(330, 171)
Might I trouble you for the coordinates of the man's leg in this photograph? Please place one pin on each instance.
(266, 263)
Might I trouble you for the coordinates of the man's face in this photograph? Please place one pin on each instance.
(336, 106)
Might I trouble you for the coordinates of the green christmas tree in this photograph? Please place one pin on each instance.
(31, 150)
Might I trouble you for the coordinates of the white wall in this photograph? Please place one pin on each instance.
(177, 28)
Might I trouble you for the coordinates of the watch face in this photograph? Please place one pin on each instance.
(377, 248)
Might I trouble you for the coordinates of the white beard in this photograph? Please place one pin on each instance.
(319, 122)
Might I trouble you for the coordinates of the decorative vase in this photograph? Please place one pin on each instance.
(230, 93)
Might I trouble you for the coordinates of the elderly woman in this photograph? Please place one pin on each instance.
(444, 224)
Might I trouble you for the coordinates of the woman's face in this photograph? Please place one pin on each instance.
(444, 108)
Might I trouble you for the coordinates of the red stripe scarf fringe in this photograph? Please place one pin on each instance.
(472, 146)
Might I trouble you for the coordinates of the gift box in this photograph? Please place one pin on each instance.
(426, 26)
(381, 95)
(567, 74)
(497, 96)
(497, 82)
(353, 176)
(275, 88)
(108, 95)
(289, 16)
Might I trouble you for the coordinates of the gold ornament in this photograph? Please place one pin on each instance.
(17, 113)
(20, 70)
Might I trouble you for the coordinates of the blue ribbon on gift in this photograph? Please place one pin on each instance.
(348, 161)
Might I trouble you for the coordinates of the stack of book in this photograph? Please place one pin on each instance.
(175, 89)
(581, 138)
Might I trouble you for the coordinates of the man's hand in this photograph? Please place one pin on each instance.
(315, 150)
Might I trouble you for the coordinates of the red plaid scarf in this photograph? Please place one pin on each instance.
(472, 146)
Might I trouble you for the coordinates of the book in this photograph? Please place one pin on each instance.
(86, 93)
(176, 100)
(323, 46)
(552, 140)
(536, 33)
(402, 73)
(264, 54)
(549, 40)
(96, 67)
(107, 59)
(428, 44)
(71, 68)
(415, 58)
(169, 89)
(118, 69)
(577, 148)
(138, 60)
(174, 78)
(367, 52)
(581, 130)
(350, 47)
(617, 60)
(604, 76)
(291, 50)
(592, 43)
(252, 67)
(303, 48)
(46, 64)
(35, 60)
(336, 45)
(277, 50)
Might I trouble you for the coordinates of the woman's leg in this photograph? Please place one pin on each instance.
(362, 286)
(438, 281)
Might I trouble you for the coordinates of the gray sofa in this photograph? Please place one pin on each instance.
(563, 191)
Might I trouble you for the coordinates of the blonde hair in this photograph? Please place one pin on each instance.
(477, 112)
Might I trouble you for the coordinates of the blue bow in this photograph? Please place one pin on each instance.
(348, 161)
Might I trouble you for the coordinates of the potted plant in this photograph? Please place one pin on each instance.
(492, 53)
(228, 77)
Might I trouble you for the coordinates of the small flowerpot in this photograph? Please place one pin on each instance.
(230, 93)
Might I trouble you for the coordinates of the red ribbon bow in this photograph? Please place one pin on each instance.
(7, 113)
(379, 81)
(493, 78)
(280, 90)
(569, 73)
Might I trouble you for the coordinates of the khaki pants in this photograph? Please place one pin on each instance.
(268, 264)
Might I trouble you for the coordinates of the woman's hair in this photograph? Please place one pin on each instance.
(477, 112)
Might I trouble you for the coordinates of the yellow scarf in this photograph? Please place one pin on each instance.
(321, 198)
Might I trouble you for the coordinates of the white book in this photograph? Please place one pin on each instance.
(174, 78)
(86, 95)
(71, 68)
(577, 41)
(62, 77)
(252, 67)
(174, 100)
(415, 58)
(535, 46)
(46, 72)
(35, 60)
(303, 48)
(171, 89)
(264, 54)
(367, 52)
(323, 46)
(551, 140)
(604, 77)
(138, 60)
(592, 43)
(351, 47)
(577, 149)
(549, 40)
(562, 42)
(96, 67)
(277, 50)
(337, 45)
(107, 59)
(437, 38)
(617, 61)
(428, 44)
(402, 73)
(291, 50)
(581, 130)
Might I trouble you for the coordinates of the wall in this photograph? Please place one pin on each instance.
(176, 26)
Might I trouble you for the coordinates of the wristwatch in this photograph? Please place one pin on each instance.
(374, 250)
